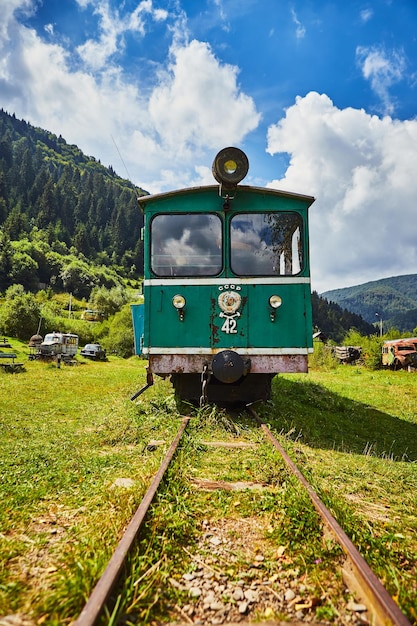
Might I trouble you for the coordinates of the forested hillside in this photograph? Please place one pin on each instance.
(335, 321)
(394, 299)
(61, 211)
(69, 224)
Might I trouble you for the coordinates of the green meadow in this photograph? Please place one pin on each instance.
(77, 456)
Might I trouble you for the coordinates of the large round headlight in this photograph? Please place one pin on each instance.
(275, 301)
(178, 301)
(230, 166)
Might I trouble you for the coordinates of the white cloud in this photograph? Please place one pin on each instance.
(383, 69)
(361, 169)
(300, 31)
(199, 102)
(195, 104)
(96, 52)
(366, 15)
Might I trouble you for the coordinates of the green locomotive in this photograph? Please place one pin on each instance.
(227, 297)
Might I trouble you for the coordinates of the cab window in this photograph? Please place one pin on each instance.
(186, 244)
(266, 244)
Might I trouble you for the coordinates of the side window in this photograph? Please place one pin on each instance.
(186, 244)
(266, 244)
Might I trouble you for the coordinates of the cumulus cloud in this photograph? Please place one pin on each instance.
(360, 168)
(199, 101)
(194, 104)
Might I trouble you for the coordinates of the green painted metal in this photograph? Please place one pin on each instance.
(200, 323)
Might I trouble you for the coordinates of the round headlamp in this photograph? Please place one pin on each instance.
(178, 302)
(275, 302)
(230, 166)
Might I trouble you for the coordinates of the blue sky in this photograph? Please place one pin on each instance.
(321, 95)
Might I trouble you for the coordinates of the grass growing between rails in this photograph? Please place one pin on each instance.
(263, 534)
(353, 432)
(75, 464)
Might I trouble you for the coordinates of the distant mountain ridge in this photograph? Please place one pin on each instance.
(394, 299)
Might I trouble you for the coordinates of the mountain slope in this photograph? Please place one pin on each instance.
(335, 321)
(394, 299)
(50, 187)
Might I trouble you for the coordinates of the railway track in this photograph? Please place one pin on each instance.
(370, 595)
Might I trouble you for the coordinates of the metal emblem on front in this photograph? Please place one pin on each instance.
(229, 301)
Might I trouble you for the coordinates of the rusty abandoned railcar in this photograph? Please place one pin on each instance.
(400, 353)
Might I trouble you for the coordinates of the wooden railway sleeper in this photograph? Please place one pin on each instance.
(356, 572)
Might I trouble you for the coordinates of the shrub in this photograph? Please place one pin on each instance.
(120, 338)
(19, 316)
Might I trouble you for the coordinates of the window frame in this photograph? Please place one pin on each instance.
(302, 261)
(187, 274)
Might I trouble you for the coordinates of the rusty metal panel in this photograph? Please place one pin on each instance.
(260, 364)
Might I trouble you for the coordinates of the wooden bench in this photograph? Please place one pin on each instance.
(11, 364)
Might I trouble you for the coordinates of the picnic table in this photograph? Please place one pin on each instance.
(10, 364)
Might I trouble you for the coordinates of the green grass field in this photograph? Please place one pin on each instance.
(74, 465)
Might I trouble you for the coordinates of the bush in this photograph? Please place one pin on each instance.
(108, 301)
(371, 347)
(322, 357)
(120, 338)
(19, 316)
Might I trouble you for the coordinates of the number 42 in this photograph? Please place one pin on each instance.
(229, 326)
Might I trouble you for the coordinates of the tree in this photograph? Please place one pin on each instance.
(47, 205)
(16, 222)
(120, 338)
(6, 254)
(78, 278)
(81, 240)
(24, 271)
(108, 301)
(26, 172)
(19, 316)
(49, 185)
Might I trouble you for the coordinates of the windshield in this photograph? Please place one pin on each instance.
(265, 244)
(186, 245)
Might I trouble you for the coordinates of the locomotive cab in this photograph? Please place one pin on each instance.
(227, 300)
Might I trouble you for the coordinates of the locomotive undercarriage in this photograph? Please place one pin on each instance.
(227, 377)
(247, 389)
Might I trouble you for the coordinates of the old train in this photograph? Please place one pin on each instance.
(227, 296)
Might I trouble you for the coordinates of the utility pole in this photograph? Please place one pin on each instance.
(380, 323)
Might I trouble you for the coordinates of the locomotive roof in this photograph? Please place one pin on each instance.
(250, 188)
(403, 340)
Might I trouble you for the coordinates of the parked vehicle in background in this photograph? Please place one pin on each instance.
(92, 316)
(400, 353)
(94, 351)
(63, 344)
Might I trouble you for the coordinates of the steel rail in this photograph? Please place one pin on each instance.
(381, 607)
(102, 590)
